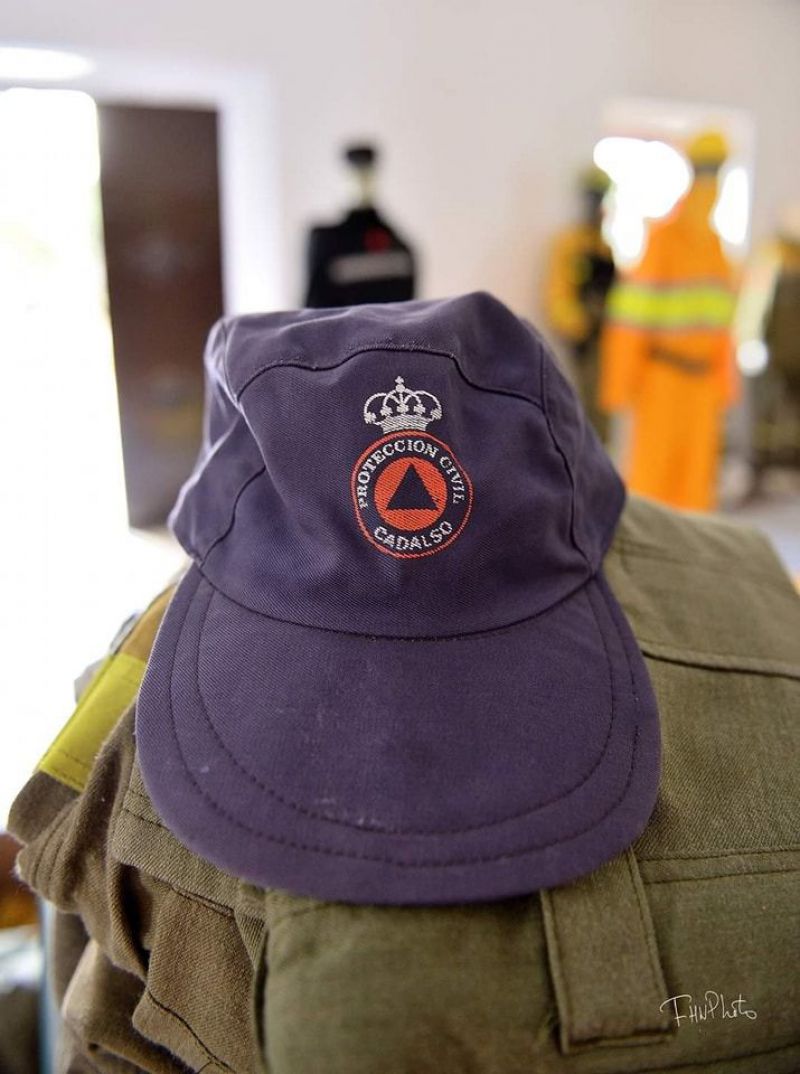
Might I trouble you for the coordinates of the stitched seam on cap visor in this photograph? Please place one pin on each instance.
(410, 348)
(287, 802)
(378, 859)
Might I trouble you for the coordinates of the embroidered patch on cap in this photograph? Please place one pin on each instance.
(411, 494)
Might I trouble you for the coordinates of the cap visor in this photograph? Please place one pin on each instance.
(375, 770)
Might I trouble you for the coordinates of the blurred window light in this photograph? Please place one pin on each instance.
(753, 357)
(731, 215)
(41, 65)
(649, 177)
(624, 230)
(618, 157)
(70, 571)
(69, 153)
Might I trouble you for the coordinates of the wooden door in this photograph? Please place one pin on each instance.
(160, 197)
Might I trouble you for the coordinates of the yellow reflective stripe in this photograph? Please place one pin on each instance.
(653, 307)
(110, 692)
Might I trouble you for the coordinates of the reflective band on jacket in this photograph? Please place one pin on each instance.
(110, 692)
(671, 308)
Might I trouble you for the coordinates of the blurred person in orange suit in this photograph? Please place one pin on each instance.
(667, 352)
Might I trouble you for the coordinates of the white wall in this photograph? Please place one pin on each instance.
(486, 110)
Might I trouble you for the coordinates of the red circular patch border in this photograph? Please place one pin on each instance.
(376, 544)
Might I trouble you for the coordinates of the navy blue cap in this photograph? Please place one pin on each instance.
(394, 672)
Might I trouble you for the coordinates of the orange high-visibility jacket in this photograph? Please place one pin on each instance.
(667, 356)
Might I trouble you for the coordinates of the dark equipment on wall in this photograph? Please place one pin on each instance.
(362, 258)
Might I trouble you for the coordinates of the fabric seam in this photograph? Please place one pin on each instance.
(288, 803)
(331, 852)
(703, 660)
(564, 459)
(168, 1010)
(386, 345)
(722, 854)
(721, 876)
(646, 932)
(468, 636)
(622, 548)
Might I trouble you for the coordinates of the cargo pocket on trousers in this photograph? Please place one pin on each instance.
(197, 996)
(97, 1011)
(604, 960)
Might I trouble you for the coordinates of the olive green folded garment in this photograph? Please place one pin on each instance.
(679, 955)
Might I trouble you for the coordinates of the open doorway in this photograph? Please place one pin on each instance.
(63, 484)
(161, 225)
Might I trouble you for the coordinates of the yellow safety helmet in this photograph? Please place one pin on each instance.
(707, 150)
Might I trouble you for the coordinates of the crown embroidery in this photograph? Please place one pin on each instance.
(402, 408)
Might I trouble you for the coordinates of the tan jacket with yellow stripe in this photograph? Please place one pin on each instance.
(681, 954)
